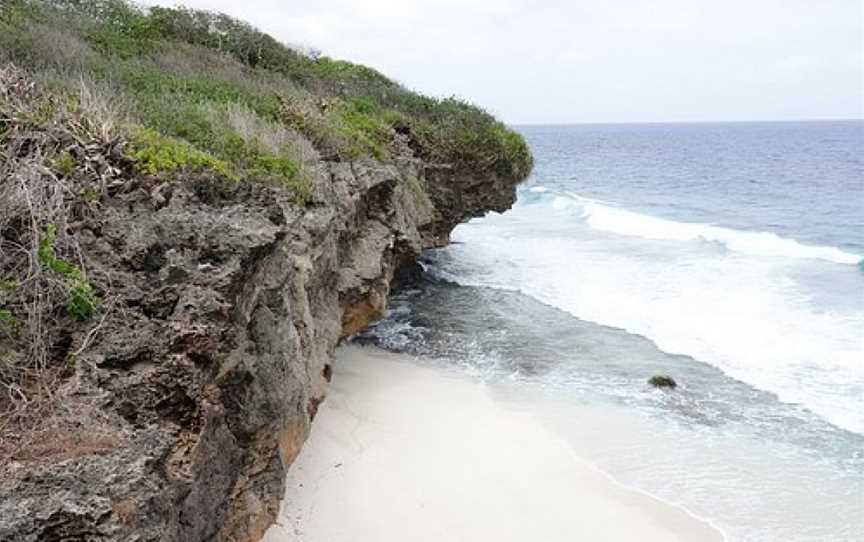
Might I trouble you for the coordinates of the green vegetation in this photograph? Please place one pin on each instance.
(7, 286)
(81, 300)
(172, 75)
(65, 164)
(157, 154)
(7, 322)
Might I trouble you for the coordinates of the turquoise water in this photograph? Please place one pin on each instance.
(726, 255)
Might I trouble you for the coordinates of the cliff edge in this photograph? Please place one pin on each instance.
(192, 217)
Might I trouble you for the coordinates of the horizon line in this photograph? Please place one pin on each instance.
(735, 121)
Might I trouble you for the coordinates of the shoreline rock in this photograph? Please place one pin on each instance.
(201, 386)
(663, 382)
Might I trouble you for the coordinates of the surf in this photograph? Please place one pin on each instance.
(603, 216)
(730, 298)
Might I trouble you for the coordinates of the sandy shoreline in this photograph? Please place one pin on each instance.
(403, 452)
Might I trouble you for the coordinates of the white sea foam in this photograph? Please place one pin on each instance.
(741, 309)
(604, 217)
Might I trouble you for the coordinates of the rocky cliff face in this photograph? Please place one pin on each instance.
(196, 391)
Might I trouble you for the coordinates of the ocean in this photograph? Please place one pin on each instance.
(727, 255)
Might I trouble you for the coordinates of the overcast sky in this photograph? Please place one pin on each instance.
(562, 61)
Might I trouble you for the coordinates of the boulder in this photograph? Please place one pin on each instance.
(663, 381)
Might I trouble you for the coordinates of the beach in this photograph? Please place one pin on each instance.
(402, 451)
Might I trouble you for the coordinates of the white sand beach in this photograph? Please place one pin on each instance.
(403, 452)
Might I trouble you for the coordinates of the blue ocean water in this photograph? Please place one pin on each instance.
(726, 255)
(800, 180)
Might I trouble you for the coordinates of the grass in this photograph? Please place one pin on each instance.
(170, 66)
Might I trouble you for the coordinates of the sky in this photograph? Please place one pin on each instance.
(584, 61)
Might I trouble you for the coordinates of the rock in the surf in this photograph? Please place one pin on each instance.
(663, 381)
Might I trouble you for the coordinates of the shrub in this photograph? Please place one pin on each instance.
(82, 301)
(359, 123)
(157, 154)
(168, 62)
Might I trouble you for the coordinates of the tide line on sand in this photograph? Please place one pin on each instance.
(401, 451)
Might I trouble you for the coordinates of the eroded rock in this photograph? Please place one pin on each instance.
(227, 306)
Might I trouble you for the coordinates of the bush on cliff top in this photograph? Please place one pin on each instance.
(166, 68)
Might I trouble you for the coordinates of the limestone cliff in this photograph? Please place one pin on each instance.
(192, 217)
(184, 414)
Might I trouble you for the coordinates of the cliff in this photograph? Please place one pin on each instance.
(170, 304)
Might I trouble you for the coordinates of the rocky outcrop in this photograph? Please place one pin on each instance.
(197, 389)
(663, 381)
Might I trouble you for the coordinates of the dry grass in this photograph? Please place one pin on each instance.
(61, 49)
(57, 163)
(275, 138)
(103, 105)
